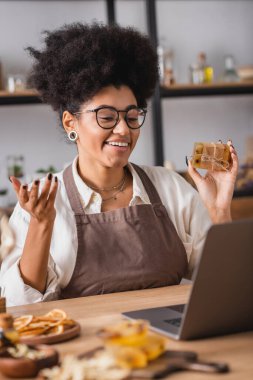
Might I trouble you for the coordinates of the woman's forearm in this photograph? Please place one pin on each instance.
(220, 216)
(34, 260)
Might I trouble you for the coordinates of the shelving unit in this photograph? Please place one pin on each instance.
(182, 90)
(213, 89)
(19, 97)
(174, 91)
(31, 96)
(241, 207)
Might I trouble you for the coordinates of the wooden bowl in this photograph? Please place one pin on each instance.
(71, 333)
(23, 367)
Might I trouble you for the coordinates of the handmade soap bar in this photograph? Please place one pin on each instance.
(211, 156)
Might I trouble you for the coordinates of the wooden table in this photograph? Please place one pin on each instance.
(97, 311)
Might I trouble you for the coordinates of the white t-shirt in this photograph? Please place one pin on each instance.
(182, 203)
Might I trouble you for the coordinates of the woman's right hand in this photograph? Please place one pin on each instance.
(40, 207)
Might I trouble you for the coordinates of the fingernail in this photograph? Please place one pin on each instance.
(232, 146)
(10, 179)
(55, 179)
(49, 177)
(24, 187)
(36, 182)
(186, 160)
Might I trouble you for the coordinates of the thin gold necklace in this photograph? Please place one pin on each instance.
(118, 186)
(117, 192)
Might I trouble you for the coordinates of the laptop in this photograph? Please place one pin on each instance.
(221, 299)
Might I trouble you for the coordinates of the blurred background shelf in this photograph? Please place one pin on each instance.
(243, 193)
(215, 89)
(181, 90)
(173, 91)
(242, 208)
(20, 97)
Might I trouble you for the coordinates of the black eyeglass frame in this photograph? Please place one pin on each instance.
(118, 111)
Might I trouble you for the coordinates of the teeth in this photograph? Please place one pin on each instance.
(117, 143)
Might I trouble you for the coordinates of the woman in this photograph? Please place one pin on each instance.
(104, 225)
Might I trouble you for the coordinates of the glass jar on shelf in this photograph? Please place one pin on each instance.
(15, 166)
(196, 74)
(201, 71)
(165, 63)
(230, 73)
(16, 83)
(169, 77)
(207, 69)
(160, 55)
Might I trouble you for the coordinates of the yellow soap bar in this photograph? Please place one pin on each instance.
(211, 156)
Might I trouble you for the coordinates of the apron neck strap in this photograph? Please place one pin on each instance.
(73, 194)
(72, 191)
(148, 185)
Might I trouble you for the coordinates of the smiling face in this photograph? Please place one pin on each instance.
(106, 147)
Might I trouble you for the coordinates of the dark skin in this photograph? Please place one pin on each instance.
(102, 157)
(34, 260)
(216, 188)
(100, 165)
(123, 197)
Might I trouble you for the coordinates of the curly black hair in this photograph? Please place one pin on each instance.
(80, 59)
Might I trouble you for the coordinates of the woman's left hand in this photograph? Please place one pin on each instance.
(216, 188)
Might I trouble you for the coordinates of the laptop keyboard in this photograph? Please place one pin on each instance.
(179, 308)
(175, 321)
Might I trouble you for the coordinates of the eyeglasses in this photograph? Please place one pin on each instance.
(108, 117)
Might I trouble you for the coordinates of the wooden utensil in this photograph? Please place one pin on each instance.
(173, 361)
(170, 361)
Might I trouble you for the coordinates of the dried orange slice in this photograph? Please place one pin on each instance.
(56, 330)
(33, 332)
(23, 321)
(56, 314)
(68, 322)
(54, 322)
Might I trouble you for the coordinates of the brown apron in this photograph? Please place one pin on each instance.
(135, 247)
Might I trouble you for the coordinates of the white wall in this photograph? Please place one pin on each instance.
(217, 27)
